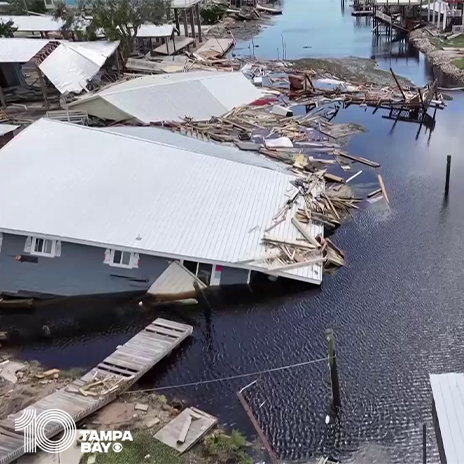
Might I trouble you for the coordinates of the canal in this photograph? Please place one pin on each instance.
(396, 308)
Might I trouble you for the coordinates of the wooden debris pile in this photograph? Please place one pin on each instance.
(100, 385)
(307, 205)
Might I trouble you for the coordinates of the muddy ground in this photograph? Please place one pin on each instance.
(352, 69)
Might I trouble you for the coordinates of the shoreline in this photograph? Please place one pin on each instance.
(440, 58)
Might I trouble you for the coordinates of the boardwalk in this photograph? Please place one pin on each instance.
(116, 373)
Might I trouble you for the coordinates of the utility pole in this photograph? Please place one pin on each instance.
(333, 368)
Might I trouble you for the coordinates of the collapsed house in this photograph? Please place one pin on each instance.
(170, 97)
(117, 210)
(69, 66)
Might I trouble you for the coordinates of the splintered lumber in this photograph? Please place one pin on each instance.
(287, 267)
(359, 159)
(333, 178)
(276, 241)
(353, 177)
(185, 428)
(374, 193)
(335, 247)
(312, 240)
(382, 186)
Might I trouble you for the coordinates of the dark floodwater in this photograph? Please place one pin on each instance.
(397, 307)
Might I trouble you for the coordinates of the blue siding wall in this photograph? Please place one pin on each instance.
(78, 271)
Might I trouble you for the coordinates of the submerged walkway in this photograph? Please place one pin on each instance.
(115, 374)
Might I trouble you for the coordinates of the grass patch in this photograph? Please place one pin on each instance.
(457, 42)
(225, 449)
(134, 452)
(459, 63)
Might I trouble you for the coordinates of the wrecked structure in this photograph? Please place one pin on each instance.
(171, 97)
(120, 209)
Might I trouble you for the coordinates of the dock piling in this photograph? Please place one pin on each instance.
(333, 368)
(424, 443)
(448, 172)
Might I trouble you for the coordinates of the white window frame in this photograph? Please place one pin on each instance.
(133, 259)
(53, 251)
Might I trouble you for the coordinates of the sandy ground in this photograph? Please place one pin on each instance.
(442, 59)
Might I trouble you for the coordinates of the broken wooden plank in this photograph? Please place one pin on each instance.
(333, 178)
(185, 428)
(312, 240)
(374, 193)
(359, 159)
(384, 192)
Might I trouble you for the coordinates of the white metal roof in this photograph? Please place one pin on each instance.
(105, 189)
(20, 50)
(448, 395)
(174, 139)
(33, 23)
(171, 97)
(6, 128)
(151, 30)
(72, 64)
(184, 3)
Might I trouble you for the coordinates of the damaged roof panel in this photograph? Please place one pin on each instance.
(33, 23)
(71, 65)
(20, 50)
(106, 189)
(171, 97)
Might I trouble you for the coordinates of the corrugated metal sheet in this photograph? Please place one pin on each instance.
(6, 128)
(151, 30)
(33, 23)
(448, 395)
(105, 189)
(71, 65)
(199, 95)
(20, 50)
(184, 3)
(192, 144)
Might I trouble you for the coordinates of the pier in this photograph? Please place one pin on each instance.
(116, 373)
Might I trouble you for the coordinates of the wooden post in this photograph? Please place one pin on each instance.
(424, 443)
(192, 22)
(258, 429)
(448, 172)
(2, 98)
(185, 23)
(176, 16)
(333, 368)
(197, 10)
(43, 86)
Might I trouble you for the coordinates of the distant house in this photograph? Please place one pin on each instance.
(92, 211)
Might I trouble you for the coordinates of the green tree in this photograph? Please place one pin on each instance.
(24, 6)
(118, 19)
(7, 29)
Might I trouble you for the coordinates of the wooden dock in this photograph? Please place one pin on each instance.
(116, 373)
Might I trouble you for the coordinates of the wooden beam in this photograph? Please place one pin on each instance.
(312, 240)
(197, 10)
(185, 428)
(384, 192)
(43, 86)
(2, 98)
(192, 22)
(186, 31)
(176, 16)
(398, 84)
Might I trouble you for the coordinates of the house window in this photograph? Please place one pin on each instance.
(202, 270)
(41, 246)
(119, 258)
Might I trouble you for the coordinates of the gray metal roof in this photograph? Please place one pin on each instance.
(448, 395)
(20, 50)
